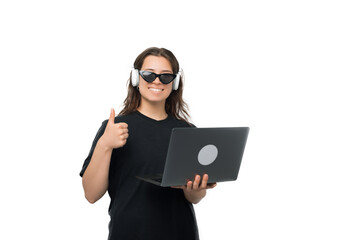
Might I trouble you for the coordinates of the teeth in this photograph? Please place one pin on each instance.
(155, 90)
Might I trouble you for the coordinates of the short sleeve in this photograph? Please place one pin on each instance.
(99, 133)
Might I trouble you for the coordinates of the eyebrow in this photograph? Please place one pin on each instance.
(163, 71)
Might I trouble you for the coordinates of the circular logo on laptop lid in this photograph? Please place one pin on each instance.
(207, 154)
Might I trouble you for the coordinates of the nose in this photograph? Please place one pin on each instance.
(157, 81)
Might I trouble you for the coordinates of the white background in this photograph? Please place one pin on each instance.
(287, 69)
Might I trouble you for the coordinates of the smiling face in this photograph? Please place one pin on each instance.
(155, 92)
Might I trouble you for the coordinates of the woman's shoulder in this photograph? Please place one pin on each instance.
(184, 123)
(120, 118)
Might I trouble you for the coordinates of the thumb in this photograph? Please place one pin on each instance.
(112, 117)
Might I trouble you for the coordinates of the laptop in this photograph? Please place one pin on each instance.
(215, 151)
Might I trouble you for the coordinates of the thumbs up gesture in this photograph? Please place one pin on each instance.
(115, 134)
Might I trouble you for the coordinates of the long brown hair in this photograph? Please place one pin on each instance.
(174, 105)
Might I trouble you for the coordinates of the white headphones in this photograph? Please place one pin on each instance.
(135, 78)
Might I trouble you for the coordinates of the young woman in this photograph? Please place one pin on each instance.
(135, 143)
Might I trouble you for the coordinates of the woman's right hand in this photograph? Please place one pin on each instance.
(116, 134)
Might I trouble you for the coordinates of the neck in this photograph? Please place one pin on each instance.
(153, 110)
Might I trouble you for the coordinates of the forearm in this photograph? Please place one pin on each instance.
(95, 178)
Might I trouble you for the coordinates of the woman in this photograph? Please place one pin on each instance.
(135, 143)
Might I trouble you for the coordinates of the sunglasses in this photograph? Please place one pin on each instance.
(165, 78)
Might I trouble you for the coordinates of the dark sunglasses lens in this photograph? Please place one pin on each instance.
(148, 76)
(167, 78)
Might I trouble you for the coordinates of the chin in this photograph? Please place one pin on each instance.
(153, 99)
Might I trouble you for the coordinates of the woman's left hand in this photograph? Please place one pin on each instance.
(195, 190)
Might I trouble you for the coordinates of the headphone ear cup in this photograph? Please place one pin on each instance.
(176, 81)
(135, 77)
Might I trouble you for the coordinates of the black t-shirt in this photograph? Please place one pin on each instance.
(141, 210)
